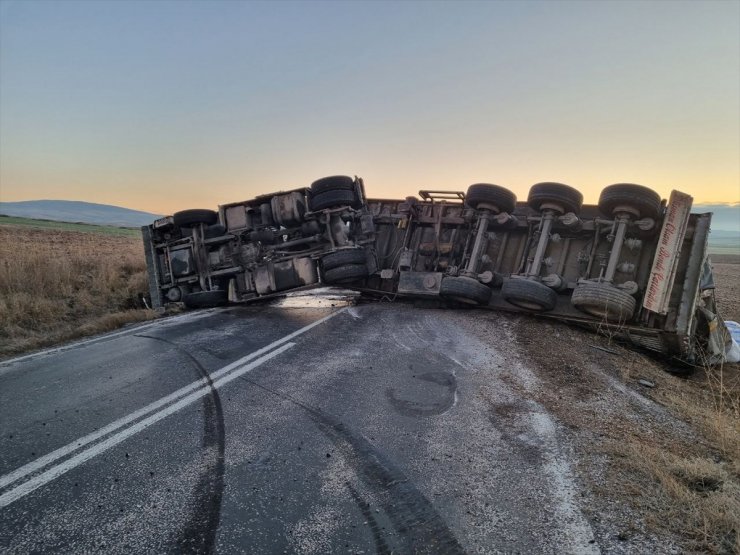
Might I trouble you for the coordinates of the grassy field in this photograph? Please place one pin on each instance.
(58, 282)
(69, 226)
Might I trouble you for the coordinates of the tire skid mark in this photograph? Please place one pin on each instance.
(420, 528)
(198, 532)
(380, 546)
(404, 407)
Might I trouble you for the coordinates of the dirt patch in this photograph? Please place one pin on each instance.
(726, 270)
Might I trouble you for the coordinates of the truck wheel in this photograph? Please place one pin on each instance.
(206, 299)
(195, 216)
(345, 273)
(603, 300)
(333, 183)
(529, 294)
(465, 290)
(645, 201)
(483, 193)
(174, 294)
(332, 199)
(342, 258)
(564, 196)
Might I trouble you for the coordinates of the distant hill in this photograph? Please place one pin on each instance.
(724, 236)
(725, 217)
(77, 211)
(725, 220)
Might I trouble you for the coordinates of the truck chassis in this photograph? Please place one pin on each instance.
(634, 266)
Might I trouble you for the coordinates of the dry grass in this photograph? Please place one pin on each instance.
(681, 484)
(688, 488)
(693, 496)
(56, 285)
(678, 485)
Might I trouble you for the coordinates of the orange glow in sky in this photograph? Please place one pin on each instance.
(162, 106)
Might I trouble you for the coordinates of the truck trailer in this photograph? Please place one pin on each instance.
(634, 265)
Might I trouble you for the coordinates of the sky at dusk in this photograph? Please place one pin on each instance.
(163, 106)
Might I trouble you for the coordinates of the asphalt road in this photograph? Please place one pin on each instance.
(368, 429)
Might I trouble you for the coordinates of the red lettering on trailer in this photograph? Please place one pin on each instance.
(663, 271)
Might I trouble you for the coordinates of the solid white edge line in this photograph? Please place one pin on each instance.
(56, 471)
(49, 458)
(178, 318)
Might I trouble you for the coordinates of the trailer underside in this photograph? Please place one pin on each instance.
(632, 266)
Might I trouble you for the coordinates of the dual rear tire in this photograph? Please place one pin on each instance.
(333, 192)
(344, 266)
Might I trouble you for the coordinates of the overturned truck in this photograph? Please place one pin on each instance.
(634, 266)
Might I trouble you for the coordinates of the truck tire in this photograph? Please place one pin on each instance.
(565, 196)
(465, 290)
(206, 299)
(333, 183)
(645, 201)
(345, 273)
(342, 258)
(603, 300)
(195, 216)
(529, 294)
(332, 199)
(501, 198)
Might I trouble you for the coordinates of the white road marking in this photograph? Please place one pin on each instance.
(41, 462)
(56, 471)
(178, 319)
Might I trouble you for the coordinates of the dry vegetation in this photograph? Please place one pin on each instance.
(687, 484)
(663, 476)
(673, 466)
(56, 285)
